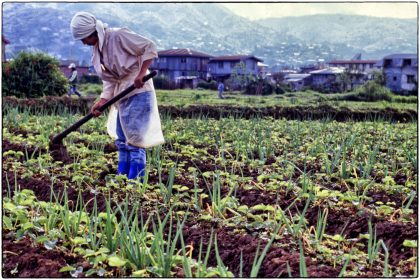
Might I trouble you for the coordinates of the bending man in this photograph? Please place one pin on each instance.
(121, 58)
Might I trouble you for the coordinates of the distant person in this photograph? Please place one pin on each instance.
(73, 81)
(221, 88)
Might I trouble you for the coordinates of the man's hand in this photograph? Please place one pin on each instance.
(138, 82)
(94, 109)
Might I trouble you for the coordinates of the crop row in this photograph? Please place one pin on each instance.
(337, 195)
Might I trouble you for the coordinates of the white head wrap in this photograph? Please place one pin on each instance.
(84, 24)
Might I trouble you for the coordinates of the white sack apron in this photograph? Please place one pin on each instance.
(140, 120)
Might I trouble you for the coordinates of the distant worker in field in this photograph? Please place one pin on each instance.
(122, 58)
(73, 81)
(221, 88)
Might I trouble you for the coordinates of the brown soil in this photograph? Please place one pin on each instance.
(39, 262)
(291, 113)
(108, 148)
(21, 131)
(274, 265)
(351, 224)
(41, 186)
(231, 244)
(24, 259)
(397, 199)
(30, 150)
(59, 153)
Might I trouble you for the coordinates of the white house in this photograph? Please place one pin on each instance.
(326, 79)
(401, 72)
(222, 67)
(297, 82)
(359, 70)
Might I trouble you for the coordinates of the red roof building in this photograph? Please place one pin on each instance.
(355, 65)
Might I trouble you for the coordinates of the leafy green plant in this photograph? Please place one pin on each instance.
(33, 75)
(256, 265)
(302, 264)
(372, 91)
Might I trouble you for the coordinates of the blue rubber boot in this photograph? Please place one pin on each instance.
(123, 168)
(137, 162)
(123, 158)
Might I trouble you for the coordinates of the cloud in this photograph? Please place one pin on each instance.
(377, 9)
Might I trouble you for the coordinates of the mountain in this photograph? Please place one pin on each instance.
(371, 35)
(210, 28)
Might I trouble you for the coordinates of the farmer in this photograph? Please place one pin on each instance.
(121, 58)
(221, 88)
(73, 80)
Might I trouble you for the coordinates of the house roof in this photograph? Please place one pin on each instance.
(399, 59)
(235, 58)
(330, 70)
(353, 62)
(294, 80)
(296, 76)
(401, 55)
(183, 52)
(260, 64)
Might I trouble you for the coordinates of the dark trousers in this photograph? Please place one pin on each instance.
(73, 90)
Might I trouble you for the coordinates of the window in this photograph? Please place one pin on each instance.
(410, 79)
(220, 65)
(406, 62)
(183, 60)
(387, 62)
(394, 78)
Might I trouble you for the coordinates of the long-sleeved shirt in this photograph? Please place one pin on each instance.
(120, 61)
(73, 77)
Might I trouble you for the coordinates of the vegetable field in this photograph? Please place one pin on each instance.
(228, 197)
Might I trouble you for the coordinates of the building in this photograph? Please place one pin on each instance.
(304, 69)
(263, 70)
(360, 66)
(359, 71)
(182, 64)
(222, 67)
(298, 82)
(401, 72)
(327, 80)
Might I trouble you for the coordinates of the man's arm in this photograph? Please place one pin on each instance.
(138, 82)
(107, 93)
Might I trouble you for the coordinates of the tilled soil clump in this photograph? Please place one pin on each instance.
(231, 246)
(24, 259)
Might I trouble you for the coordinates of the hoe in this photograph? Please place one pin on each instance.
(58, 150)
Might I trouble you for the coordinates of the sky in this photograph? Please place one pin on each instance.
(255, 11)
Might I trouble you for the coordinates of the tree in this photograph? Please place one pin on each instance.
(240, 75)
(344, 80)
(379, 77)
(31, 75)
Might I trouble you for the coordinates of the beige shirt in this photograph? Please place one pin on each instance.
(123, 53)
